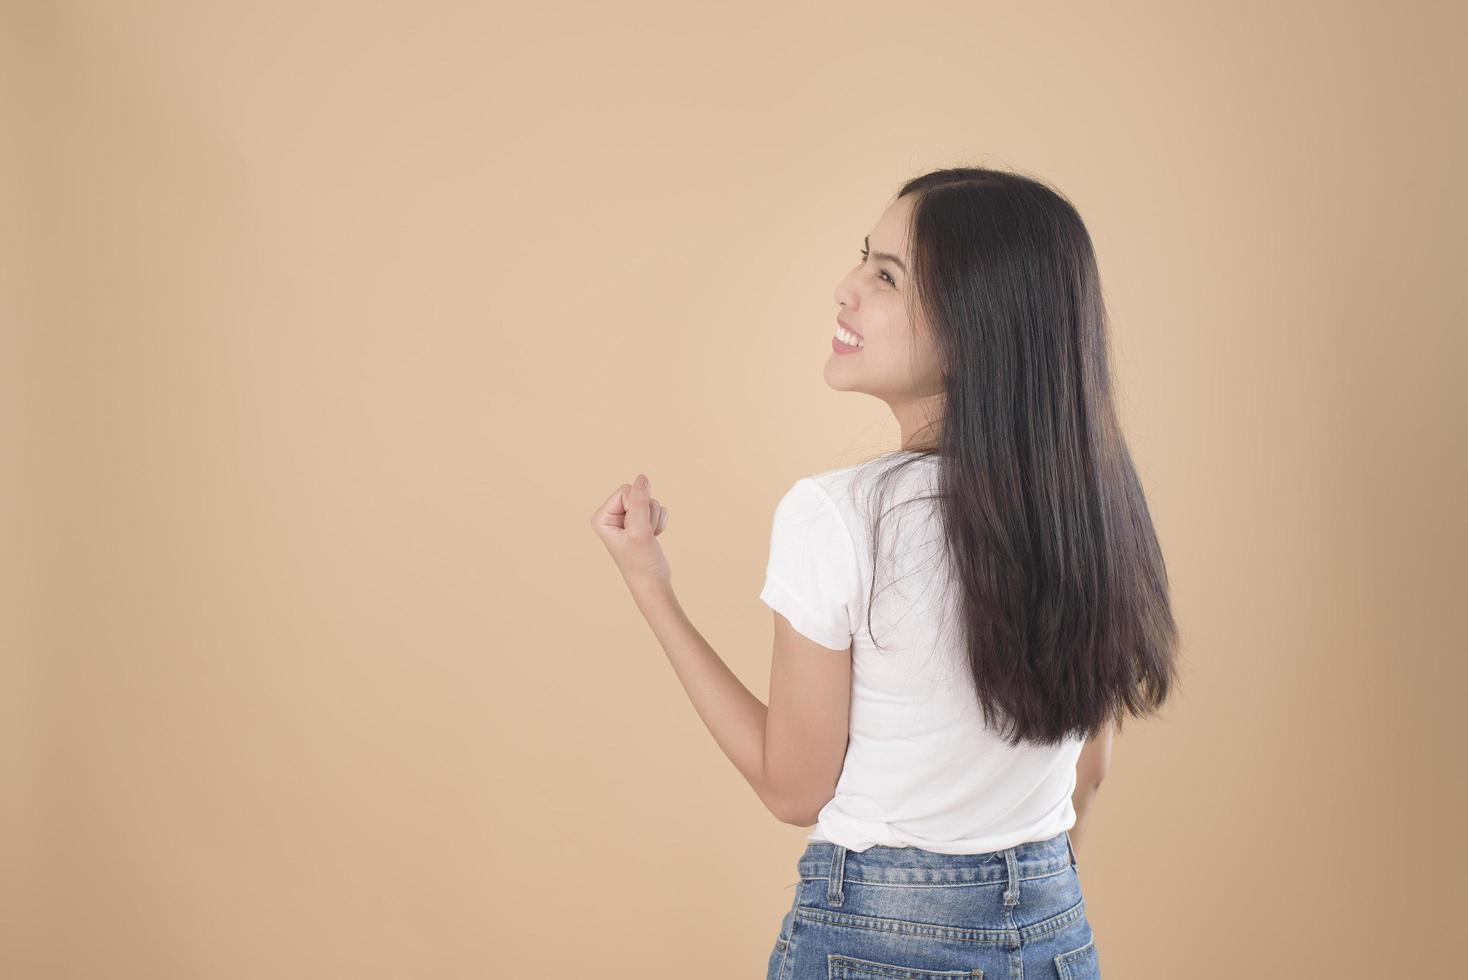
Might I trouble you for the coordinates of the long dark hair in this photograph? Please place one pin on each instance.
(1061, 588)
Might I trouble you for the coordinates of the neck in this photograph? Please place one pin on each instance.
(920, 421)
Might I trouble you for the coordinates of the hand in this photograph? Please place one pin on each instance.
(628, 523)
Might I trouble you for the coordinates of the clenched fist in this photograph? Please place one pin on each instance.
(628, 523)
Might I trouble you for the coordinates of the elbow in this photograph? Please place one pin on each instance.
(785, 813)
(806, 814)
(1089, 778)
(801, 818)
(799, 813)
(1085, 792)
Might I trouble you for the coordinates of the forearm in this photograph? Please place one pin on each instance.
(1082, 799)
(730, 712)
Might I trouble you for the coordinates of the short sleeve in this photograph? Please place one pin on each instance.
(812, 577)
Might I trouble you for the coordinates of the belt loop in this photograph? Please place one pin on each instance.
(1011, 892)
(1071, 850)
(838, 875)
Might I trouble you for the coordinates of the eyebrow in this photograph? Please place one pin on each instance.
(888, 256)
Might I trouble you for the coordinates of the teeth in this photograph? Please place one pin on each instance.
(847, 337)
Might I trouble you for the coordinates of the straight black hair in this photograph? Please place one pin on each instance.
(1061, 587)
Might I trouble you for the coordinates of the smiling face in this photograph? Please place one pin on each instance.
(896, 360)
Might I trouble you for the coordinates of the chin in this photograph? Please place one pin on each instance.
(835, 382)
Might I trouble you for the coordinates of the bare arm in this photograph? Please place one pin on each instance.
(734, 716)
(791, 751)
(1090, 771)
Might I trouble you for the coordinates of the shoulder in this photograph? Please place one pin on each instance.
(851, 490)
(815, 522)
(812, 498)
(828, 496)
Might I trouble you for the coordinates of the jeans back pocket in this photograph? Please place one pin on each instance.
(1079, 964)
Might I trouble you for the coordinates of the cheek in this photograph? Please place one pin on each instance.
(887, 331)
(893, 338)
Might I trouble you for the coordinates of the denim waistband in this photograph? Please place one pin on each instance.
(915, 866)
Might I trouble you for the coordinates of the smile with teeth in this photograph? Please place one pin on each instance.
(847, 337)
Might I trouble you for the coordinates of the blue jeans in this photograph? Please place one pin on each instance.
(903, 913)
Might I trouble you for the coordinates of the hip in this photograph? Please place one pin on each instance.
(904, 912)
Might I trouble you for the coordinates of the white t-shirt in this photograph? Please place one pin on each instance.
(921, 769)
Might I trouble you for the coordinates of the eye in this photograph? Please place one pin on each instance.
(884, 273)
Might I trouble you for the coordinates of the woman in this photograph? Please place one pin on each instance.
(960, 623)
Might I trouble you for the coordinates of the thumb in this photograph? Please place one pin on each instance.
(639, 504)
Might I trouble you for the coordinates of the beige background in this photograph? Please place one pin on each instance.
(326, 326)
